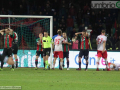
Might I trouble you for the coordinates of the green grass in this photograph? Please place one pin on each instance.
(40, 79)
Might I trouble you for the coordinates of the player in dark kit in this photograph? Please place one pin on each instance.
(15, 47)
(84, 46)
(7, 45)
(65, 45)
(39, 50)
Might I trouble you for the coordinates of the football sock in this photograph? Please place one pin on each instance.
(16, 62)
(13, 66)
(106, 63)
(80, 64)
(86, 65)
(46, 64)
(67, 64)
(36, 62)
(97, 63)
(61, 63)
(2, 64)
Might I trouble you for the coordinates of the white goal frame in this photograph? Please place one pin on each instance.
(33, 16)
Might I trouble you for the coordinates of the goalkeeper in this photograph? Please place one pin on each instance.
(47, 40)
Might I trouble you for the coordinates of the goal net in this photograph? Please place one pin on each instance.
(27, 29)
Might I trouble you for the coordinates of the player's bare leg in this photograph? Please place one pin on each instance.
(98, 63)
(79, 61)
(54, 62)
(61, 63)
(67, 63)
(36, 62)
(16, 60)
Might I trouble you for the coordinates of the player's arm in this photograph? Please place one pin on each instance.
(2, 31)
(78, 33)
(104, 44)
(39, 42)
(97, 40)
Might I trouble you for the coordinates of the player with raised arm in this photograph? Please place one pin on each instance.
(101, 49)
(15, 47)
(58, 51)
(7, 45)
(47, 41)
(84, 47)
(65, 45)
(39, 50)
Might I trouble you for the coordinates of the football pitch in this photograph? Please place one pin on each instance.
(31, 79)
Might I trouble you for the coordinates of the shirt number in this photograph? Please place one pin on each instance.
(100, 40)
(57, 41)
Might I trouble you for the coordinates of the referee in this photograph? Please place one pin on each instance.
(47, 40)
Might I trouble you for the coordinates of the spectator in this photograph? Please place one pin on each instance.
(69, 24)
(108, 24)
(3, 11)
(72, 11)
(93, 18)
(81, 28)
(40, 13)
(75, 42)
(73, 32)
(79, 17)
(55, 15)
(86, 7)
(38, 29)
(113, 41)
(55, 23)
(55, 5)
(118, 43)
(118, 29)
(62, 11)
(48, 8)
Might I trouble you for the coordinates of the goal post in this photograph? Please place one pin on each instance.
(19, 23)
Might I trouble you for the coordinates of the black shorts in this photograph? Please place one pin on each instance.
(46, 51)
(7, 52)
(85, 53)
(38, 53)
(2, 57)
(65, 54)
(14, 48)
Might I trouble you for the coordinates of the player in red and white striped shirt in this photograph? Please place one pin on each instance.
(101, 49)
(58, 49)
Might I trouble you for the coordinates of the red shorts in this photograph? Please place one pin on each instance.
(58, 53)
(100, 54)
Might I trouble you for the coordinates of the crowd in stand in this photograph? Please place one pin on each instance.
(71, 16)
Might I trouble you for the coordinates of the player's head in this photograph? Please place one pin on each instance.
(45, 33)
(40, 35)
(60, 32)
(103, 32)
(84, 33)
(64, 34)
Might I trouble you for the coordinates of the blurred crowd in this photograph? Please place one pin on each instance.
(71, 16)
